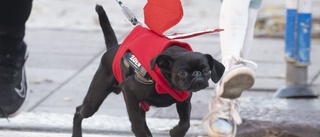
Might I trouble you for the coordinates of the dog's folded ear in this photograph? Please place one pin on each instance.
(163, 61)
(217, 68)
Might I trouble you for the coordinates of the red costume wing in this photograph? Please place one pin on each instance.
(161, 15)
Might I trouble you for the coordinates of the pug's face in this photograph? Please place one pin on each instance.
(189, 71)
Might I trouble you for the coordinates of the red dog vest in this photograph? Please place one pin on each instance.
(144, 44)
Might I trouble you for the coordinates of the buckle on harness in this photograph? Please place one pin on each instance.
(141, 73)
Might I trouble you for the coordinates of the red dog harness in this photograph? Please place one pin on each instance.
(145, 45)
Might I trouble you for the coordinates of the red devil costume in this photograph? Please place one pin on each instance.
(145, 45)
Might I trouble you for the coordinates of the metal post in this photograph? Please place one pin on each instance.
(290, 34)
(298, 37)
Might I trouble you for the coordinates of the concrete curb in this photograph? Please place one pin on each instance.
(98, 124)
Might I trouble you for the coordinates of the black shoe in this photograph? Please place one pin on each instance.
(13, 84)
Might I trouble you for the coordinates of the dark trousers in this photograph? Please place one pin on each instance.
(13, 16)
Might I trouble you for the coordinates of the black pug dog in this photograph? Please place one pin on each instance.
(183, 70)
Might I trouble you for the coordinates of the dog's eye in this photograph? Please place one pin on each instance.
(183, 74)
(206, 72)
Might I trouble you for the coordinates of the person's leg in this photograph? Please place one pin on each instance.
(236, 42)
(13, 16)
(238, 23)
(253, 11)
(13, 88)
(234, 21)
(238, 18)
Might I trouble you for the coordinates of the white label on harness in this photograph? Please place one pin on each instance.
(135, 61)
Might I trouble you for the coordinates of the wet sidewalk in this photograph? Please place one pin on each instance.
(65, 44)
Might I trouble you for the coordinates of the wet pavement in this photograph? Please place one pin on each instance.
(65, 44)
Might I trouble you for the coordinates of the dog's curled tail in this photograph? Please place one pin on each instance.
(109, 35)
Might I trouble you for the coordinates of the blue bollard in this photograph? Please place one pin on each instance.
(290, 35)
(298, 37)
(304, 32)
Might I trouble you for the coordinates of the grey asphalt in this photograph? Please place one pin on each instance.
(65, 45)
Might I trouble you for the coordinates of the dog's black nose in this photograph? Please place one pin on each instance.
(197, 74)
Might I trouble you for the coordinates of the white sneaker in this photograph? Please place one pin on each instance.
(224, 116)
(238, 77)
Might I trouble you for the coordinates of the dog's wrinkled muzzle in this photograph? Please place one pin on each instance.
(198, 82)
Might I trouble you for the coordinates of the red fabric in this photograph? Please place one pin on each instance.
(161, 15)
(145, 106)
(145, 45)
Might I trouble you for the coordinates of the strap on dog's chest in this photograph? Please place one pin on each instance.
(129, 60)
(141, 74)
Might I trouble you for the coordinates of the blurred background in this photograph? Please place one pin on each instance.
(65, 44)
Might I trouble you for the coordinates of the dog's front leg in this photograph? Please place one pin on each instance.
(138, 122)
(184, 109)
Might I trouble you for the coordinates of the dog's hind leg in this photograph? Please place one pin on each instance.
(102, 85)
(77, 122)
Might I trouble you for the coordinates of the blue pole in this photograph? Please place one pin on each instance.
(304, 32)
(290, 35)
(298, 37)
